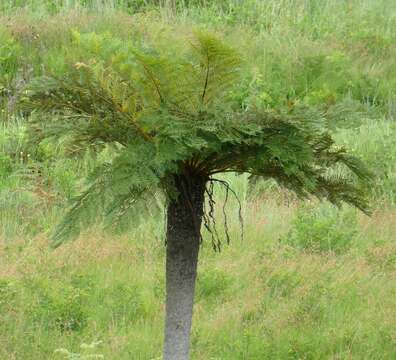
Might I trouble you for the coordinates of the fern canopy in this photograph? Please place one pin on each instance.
(174, 112)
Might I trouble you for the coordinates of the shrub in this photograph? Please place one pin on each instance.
(5, 166)
(56, 308)
(212, 284)
(322, 229)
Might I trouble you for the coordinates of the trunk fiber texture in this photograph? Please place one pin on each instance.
(184, 218)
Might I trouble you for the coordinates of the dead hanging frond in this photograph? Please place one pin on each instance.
(209, 219)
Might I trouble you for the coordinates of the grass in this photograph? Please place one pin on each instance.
(307, 282)
(258, 299)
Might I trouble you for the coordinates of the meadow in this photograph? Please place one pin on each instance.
(307, 281)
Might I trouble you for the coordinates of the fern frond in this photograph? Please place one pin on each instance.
(171, 113)
(219, 66)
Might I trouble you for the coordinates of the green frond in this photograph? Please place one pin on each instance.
(172, 113)
(219, 67)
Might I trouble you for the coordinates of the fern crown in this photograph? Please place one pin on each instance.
(170, 112)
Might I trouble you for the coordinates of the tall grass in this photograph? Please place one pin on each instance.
(319, 53)
(258, 299)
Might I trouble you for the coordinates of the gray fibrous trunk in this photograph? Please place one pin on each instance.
(184, 218)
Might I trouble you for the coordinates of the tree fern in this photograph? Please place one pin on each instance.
(175, 126)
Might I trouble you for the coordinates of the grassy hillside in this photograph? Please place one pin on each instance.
(308, 281)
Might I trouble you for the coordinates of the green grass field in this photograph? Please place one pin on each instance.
(308, 281)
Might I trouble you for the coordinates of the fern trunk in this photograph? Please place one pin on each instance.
(184, 218)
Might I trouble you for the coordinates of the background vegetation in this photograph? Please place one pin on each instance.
(309, 281)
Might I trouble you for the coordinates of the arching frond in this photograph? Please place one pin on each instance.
(171, 114)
